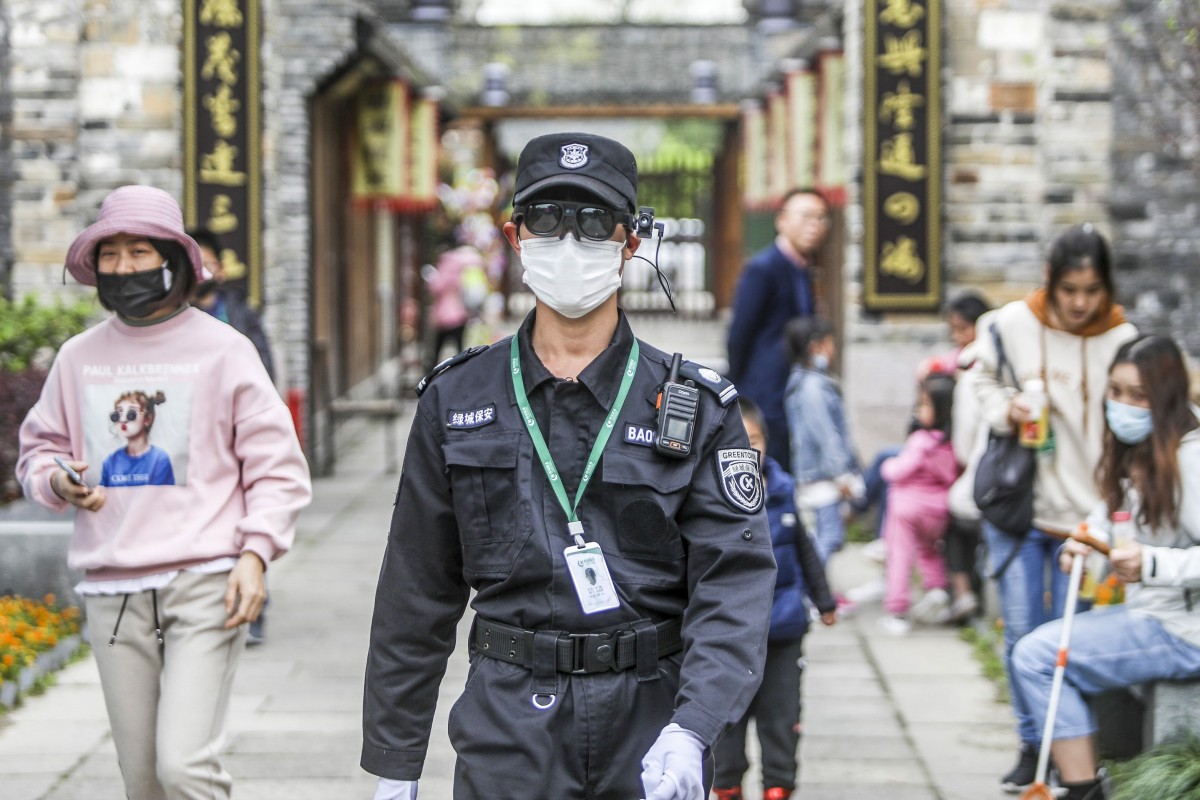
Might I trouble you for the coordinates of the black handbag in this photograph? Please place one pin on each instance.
(1005, 473)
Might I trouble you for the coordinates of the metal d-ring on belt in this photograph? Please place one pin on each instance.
(613, 650)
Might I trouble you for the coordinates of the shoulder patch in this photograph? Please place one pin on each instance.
(470, 352)
(740, 479)
(710, 379)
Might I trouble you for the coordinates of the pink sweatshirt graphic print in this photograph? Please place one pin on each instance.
(181, 425)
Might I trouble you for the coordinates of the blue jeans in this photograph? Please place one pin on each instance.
(831, 531)
(876, 486)
(1110, 648)
(1023, 587)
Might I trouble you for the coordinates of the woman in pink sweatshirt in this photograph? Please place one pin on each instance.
(173, 570)
(919, 481)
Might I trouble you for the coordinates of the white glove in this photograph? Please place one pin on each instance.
(389, 789)
(673, 768)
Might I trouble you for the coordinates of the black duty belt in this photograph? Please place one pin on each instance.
(577, 653)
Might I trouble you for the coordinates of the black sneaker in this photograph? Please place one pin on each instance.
(1021, 776)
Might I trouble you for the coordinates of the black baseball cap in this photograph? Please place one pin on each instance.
(597, 164)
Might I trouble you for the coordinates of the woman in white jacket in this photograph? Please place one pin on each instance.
(1065, 334)
(1151, 468)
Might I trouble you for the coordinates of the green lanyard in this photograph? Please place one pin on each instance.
(574, 526)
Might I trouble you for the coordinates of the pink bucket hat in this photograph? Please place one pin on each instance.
(138, 211)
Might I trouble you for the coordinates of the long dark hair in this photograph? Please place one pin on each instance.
(968, 305)
(1151, 465)
(1075, 248)
(940, 388)
(801, 334)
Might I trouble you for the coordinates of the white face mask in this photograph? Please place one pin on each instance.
(572, 277)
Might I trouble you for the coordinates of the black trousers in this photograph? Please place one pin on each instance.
(776, 712)
(587, 745)
(962, 544)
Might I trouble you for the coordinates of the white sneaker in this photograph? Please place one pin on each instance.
(869, 592)
(933, 608)
(963, 607)
(893, 625)
(875, 550)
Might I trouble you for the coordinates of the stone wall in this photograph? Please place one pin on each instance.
(1155, 202)
(96, 102)
(43, 138)
(1026, 144)
(1027, 138)
(6, 154)
(95, 87)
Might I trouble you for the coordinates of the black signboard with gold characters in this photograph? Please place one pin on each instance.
(222, 132)
(902, 155)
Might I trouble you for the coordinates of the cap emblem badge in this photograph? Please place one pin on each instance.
(574, 156)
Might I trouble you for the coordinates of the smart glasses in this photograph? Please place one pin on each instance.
(130, 415)
(549, 218)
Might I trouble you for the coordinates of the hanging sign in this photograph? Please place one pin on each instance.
(902, 157)
(425, 144)
(381, 167)
(222, 132)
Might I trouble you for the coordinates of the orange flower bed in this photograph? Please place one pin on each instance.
(29, 628)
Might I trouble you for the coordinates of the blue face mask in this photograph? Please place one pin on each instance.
(1130, 424)
(820, 361)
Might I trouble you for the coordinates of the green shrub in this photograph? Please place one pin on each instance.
(1167, 771)
(30, 331)
(30, 335)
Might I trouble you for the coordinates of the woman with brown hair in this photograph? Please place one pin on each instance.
(1149, 477)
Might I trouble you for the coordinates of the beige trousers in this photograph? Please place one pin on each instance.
(167, 703)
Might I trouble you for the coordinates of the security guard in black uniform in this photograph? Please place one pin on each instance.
(603, 502)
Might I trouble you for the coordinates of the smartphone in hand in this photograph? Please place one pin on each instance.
(75, 477)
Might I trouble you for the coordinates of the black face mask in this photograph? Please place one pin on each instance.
(136, 295)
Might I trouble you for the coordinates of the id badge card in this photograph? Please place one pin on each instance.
(589, 572)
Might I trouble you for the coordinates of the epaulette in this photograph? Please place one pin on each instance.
(710, 379)
(469, 353)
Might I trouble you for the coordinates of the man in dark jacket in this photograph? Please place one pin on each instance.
(776, 286)
(230, 306)
(224, 302)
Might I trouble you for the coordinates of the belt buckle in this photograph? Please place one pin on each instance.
(592, 652)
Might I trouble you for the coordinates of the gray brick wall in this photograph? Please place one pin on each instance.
(1155, 202)
(43, 141)
(1027, 136)
(6, 154)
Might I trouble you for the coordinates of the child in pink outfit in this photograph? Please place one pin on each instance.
(919, 481)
